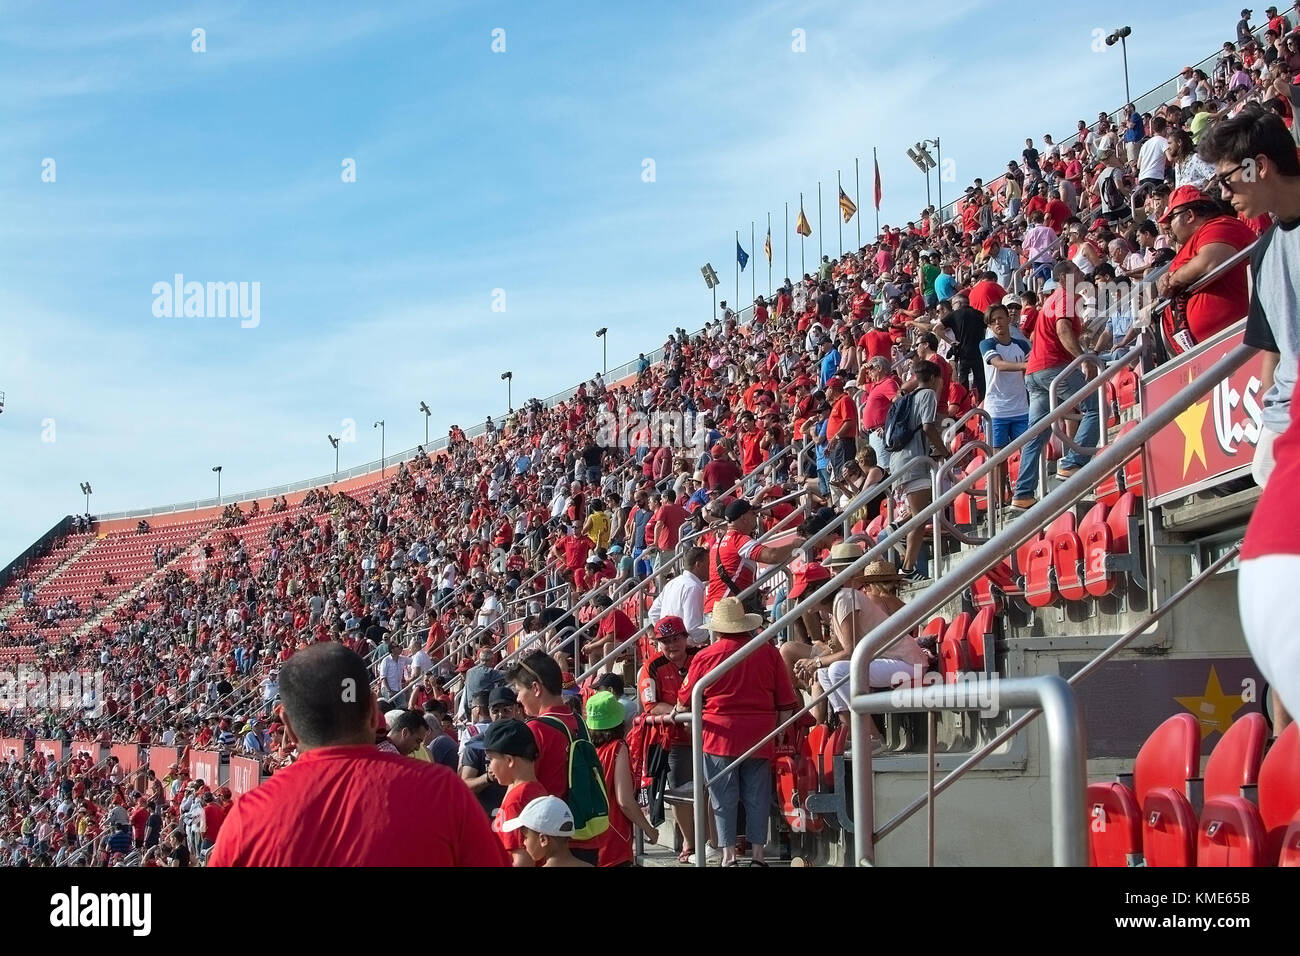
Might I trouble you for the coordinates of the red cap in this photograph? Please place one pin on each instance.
(669, 626)
(718, 450)
(834, 382)
(1181, 197)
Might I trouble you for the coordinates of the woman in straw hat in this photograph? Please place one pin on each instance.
(855, 614)
(741, 708)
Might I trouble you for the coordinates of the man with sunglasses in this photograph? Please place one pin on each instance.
(1257, 171)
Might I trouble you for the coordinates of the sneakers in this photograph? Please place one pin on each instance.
(711, 855)
(1066, 471)
(913, 575)
(1022, 504)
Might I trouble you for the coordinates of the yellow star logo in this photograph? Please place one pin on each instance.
(1192, 424)
(1214, 708)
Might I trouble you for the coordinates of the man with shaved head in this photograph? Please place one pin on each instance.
(344, 802)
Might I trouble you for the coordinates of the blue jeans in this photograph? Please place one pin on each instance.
(1039, 385)
(750, 782)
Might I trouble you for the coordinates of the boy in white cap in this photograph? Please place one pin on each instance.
(547, 823)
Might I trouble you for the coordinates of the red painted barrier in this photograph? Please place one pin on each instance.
(245, 774)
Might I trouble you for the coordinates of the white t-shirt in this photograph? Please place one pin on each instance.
(1007, 397)
(1152, 160)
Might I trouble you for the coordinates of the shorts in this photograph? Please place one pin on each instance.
(681, 771)
(1007, 430)
(1271, 626)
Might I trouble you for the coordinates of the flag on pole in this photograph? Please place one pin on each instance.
(801, 224)
(878, 190)
(847, 205)
(742, 257)
(767, 245)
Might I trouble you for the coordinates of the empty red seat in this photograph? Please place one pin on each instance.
(1126, 388)
(954, 652)
(1234, 763)
(1039, 588)
(1022, 554)
(1290, 855)
(1067, 558)
(1168, 829)
(981, 638)
(1279, 787)
(1230, 834)
(1114, 826)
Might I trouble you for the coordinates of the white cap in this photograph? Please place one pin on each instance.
(547, 815)
(393, 716)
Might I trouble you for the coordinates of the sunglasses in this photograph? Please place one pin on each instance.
(1223, 180)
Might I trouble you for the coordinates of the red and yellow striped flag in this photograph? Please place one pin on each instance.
(847, 206)
(801, 224)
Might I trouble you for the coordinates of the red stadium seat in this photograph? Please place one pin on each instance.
(1067, 560)
(954, 652)
(981, 638)
(1279, 787)
(1039, 589)
(1114, 826)
(1290, 855)
(1230, 834)
(1126, 388)
(1168, 829)
(1170, 757)
(1236, 758)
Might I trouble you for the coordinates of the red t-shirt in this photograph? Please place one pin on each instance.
(667, 522)
(1055, 214)
(517, 797)
(720, 475)
(984, 294)
(1223, 301)
(733, 551)
(1047, 351)
(1272, 528)
(614, 846)
(740, 707)
(213, 817)
(576, 548)
(876, 409)
(357, 806)
(843, 412)
(659, 683)
(751, 456)
(877, 342)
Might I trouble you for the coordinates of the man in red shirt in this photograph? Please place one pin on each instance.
(875, 343)
(751, 454)
(1206, 239)
(986, 292)
(733, 556)
(722, 473)
(740, 709)
(665, 525)
(343, 803)
(538, 683)
(841, 427)
(658, 684)
(882, 389)
(1055, 345)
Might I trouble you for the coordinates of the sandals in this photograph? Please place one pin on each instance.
(684, 857)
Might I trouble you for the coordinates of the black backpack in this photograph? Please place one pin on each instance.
(899, 429)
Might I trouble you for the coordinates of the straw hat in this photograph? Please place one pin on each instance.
(729, 617)
(881, 572)
(844, 554)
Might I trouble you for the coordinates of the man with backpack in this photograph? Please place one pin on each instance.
(911, 431)
(567, 764)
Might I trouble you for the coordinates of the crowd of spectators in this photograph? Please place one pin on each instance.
(838, 380)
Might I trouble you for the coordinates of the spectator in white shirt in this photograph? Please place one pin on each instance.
(683, 597)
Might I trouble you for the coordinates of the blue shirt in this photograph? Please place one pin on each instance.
(522, 465)
(945, 286)
(830, 365)
(822, 461)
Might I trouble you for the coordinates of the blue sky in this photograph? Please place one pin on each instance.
(475, 171)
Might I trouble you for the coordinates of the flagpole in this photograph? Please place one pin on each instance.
(803, 268)
(769, 255)
(839, 188)
(876, 166)
(857, 194)
(787, 239)
(820, 252)
(753, 276)
(736, 256)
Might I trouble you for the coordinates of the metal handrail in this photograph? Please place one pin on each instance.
(1027, 718)
(1005, 542)
(1065, 745)
(977, 412)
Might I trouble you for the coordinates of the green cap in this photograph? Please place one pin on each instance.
(605, 711)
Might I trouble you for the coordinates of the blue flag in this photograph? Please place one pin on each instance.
(742, 257)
